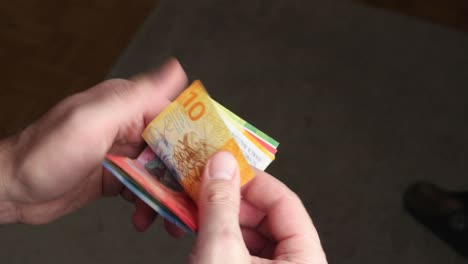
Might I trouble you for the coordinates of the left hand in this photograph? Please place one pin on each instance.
(54, 165)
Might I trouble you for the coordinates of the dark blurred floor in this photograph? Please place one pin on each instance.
(452, 13)
(51, 48)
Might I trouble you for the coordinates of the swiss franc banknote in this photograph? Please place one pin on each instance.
(187, 133)
(149, 194)
(181, 139)
(148, 178)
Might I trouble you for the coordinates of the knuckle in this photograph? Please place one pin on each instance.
(294, 197)
(74, 117)
(115, 82)
(78, 108)
(120, 88)
(220, 194)
(228, 236)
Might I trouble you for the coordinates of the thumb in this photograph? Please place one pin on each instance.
(219, 238)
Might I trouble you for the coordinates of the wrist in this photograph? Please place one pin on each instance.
(7, 206)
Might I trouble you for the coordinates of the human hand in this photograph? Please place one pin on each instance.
(53, 167)
(269, 225)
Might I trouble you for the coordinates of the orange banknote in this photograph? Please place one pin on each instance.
(187, 133)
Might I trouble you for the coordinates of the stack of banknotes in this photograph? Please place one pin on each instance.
(181, 139)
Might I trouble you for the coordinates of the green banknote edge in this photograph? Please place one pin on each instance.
(246, 125)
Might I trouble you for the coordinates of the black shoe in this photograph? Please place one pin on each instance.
(444, 213)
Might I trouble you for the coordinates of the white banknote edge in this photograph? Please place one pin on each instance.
(254, 156)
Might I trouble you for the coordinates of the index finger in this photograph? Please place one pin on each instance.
(164, 83)
(169, 78)
(284, 214)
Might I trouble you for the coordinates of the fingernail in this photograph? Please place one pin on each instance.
(222, 166)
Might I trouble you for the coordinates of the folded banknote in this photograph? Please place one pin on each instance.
(181, 139)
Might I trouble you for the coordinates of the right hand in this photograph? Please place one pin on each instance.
(272, 227)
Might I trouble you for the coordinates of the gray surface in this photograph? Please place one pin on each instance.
(363, 101)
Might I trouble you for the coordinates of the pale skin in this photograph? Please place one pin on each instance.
(53, 167)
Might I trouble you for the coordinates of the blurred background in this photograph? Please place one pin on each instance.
(364, 96)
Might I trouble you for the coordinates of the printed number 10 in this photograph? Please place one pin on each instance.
(195, 110)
